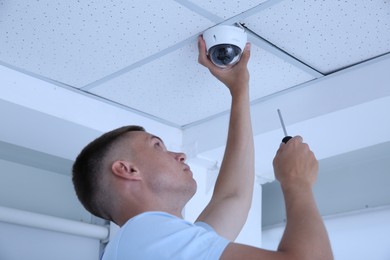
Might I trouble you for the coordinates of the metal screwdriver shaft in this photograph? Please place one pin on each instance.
(282, 122)
(286, 136)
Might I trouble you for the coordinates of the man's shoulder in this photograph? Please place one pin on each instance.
(154, 218)
(162, 231)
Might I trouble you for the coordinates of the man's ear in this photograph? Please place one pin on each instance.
(125, 169)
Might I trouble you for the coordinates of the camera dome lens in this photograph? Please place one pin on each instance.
(225, 55)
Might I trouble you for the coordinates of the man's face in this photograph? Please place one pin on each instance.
(163, 171)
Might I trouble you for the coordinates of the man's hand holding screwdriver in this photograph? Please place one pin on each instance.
(295, 164)
(296, 168)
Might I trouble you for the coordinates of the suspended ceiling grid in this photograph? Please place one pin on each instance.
(142, 55)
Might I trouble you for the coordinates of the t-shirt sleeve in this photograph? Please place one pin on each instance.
(204, 225)
(160, 236)
(219, 244)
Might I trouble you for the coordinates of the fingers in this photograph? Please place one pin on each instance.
(294, 144)
(243, 63)
(246, 54)
(295, 162)
(202, 57)
(297, 139)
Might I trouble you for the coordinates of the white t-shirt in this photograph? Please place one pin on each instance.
(158, 235)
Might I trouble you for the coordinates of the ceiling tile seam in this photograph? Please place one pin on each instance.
(325, 77)
(37, 76)
(140, 63)
(88, 94)
(254, 10)
(252, 103)
(232, 20)
(206, 119)
(261, 42)
(375, 58)
(200, 11)
(285, 91)
(133, 110)
(293, 88)
(176, 46)
(280, 53)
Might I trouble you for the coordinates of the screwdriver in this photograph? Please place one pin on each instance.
(286, 136)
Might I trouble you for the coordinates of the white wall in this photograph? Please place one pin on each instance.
(36, 190)
(205, 178)
(359, 235)
(39, 191)
(22, 243)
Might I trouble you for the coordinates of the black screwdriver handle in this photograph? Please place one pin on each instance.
(286, 138)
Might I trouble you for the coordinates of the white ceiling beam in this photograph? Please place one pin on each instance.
(329, 135)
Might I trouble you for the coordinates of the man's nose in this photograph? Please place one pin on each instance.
(181, 157)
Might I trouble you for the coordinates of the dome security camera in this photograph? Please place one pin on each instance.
(225, 44)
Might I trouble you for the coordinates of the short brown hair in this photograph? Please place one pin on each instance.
(88, 169)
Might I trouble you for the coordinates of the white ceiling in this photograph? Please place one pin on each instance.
(143, 55)
(70, 70)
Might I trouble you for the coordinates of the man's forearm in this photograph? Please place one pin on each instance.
(234, 186)
(237, 168)
(305, 235)
(231, 201)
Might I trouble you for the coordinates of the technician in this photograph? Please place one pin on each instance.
(129, 177)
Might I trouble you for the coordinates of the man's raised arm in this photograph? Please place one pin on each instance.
(232, 197)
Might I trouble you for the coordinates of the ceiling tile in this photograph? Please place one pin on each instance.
(227, 9)
(327, 35)
(271, 74)
(177, 89)
(174, 87)
(78, 42)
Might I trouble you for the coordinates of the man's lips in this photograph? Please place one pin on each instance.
(186, 168)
